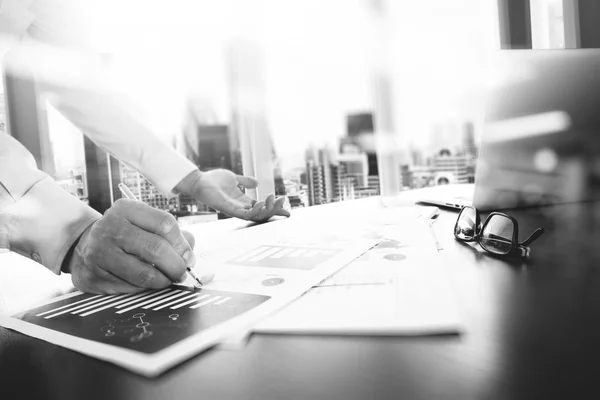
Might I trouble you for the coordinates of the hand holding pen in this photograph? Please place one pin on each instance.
(129, 194)
(130, 248)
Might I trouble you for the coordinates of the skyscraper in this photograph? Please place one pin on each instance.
(360, 130)
(356, 166)
(450, 168)
(315, 178)
(469, 145)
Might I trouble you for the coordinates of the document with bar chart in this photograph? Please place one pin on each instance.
(275, 268)
(397, 288)
(151, 331)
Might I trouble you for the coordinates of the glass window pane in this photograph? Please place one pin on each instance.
(68, 155)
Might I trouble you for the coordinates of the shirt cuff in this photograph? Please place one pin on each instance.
(46, 222)
(166, 169)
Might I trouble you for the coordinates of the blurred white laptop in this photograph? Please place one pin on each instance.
(454, 196)
(540, 143)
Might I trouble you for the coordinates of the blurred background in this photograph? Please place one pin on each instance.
(322, 101)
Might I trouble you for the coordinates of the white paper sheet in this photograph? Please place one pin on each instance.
(397, 288)
(153, 331)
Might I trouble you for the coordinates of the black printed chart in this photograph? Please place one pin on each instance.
(152, 331)
(146, 322)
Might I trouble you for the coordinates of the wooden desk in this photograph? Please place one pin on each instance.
(533, 333)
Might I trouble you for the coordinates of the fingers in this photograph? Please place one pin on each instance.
(242, 200)
(270, 202)
(152, 250)
(278, 206)
(137, 272)
(275, 207)
(282, 212)
(97, 280)
(190, 238)
(252, 213)
(158, 222)
(247, 181)
(263, 210)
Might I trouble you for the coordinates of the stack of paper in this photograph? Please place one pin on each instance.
(397, 288)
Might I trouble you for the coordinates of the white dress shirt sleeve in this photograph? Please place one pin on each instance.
(65, 67)
(38, 219)
(108, 121)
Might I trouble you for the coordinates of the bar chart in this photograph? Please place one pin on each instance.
(148, 321)
(287, 257)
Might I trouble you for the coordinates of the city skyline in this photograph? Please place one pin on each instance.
(345, 170)
(351, 172)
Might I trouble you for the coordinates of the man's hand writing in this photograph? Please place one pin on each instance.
(131, 248)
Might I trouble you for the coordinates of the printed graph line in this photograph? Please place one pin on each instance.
(252, 253)
(68, 310)
(206, 302)
(182, 293)
(189, 302)
(282, 253)
(149, 295)
(298, 253)
(68, 305)
(176, 301)
(265, 254)
(145, 301)
(113, 304)
(155, 300)
(218, 303)
(120, 297)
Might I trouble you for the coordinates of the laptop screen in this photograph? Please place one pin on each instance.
(541, 138)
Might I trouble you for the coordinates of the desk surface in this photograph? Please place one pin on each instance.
(533, 331)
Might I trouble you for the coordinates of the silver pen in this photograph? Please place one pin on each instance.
(129, 194)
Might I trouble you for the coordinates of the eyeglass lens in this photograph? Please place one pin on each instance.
(465, 226)
(497, 234)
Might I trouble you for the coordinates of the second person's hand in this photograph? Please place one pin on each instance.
(220, 189)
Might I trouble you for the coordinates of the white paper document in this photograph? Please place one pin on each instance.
(152, 331)
(397, 288)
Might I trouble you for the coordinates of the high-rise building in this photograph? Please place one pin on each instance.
(314, 178)
(337, 177)
(360, 131)
(316, 186)
(406, 176)
(450, 168)
(373, 183)
(422, 176)
(357, 166)
(295, 201)
(326, 161)
(469, 145)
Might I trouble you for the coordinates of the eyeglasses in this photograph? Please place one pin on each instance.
(498, 234)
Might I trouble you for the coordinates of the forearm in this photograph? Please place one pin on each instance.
(105, 119)
(105, 115)
(189, 183)
(38, 219)
(45, 223)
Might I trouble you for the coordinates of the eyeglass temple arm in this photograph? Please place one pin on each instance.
(533, 237)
